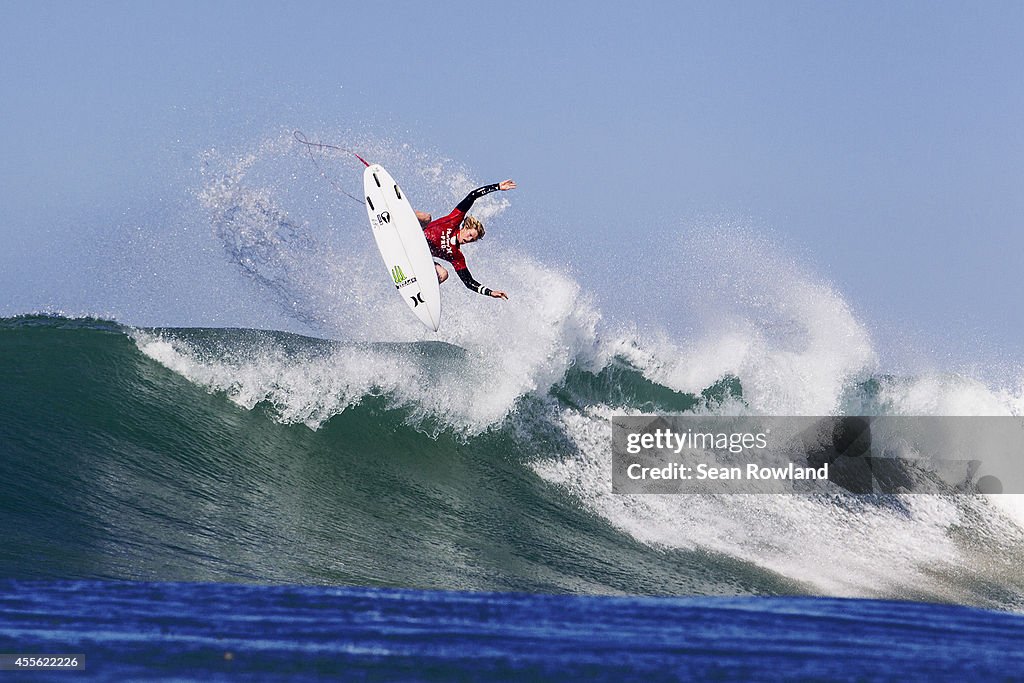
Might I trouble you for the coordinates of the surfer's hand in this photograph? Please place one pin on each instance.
(498, 294)
(507, 185)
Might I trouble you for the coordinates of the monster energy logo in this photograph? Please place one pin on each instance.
(398, 275)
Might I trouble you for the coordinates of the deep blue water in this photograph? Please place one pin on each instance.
(210, 632)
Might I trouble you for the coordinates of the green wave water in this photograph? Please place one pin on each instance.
(116, 466)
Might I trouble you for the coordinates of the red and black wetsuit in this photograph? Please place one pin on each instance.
(443, 237)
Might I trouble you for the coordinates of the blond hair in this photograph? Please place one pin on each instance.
(474, 222)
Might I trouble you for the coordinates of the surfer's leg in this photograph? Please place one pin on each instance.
(442, 274)
(423, 218)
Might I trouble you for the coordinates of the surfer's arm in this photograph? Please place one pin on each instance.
(467, 279)
(479, 192)
(476, 194)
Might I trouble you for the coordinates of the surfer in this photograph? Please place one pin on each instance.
(447, 235)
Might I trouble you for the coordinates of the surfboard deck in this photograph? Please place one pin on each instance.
(402, 245)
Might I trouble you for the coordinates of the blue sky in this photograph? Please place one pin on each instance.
(881, 141)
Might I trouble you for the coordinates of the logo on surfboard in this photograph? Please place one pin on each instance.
(384, 217)
(400, 278)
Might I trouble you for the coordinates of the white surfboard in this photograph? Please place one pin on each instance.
(402, 245)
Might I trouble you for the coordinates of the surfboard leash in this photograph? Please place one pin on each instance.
(321, 146)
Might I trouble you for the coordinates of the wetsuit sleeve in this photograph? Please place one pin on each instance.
(476, 194)
(468, 280)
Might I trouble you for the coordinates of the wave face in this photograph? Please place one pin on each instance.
(247, 455)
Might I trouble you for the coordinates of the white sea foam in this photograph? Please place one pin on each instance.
(798, 349)
(944, 394)
(949, 394)
(867, 551)
(789, 335)
(510, 349)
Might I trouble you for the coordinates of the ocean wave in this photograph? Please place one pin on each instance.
(189, 454)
